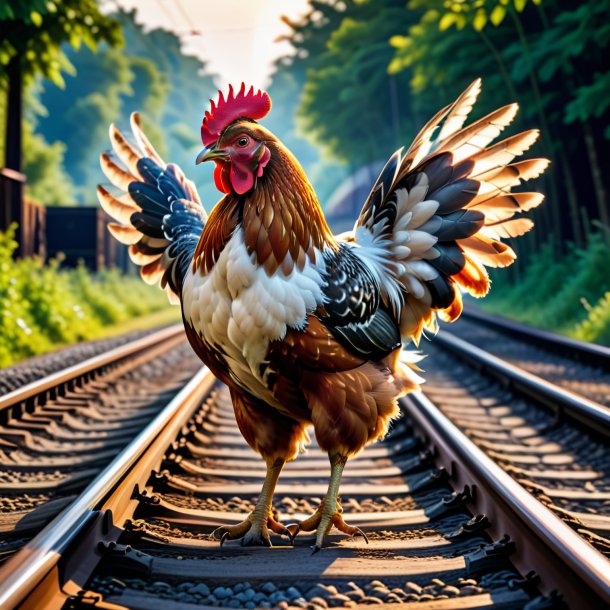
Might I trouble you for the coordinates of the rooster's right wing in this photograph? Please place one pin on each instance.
(158, 212)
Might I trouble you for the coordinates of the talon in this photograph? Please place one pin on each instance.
(315, 549)
(224, 537)
(352, 531)
(276, 527)
(293, 530)
(218, 533)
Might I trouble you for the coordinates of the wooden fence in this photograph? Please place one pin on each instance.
(79, 233)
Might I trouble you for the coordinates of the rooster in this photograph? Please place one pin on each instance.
(303, 326)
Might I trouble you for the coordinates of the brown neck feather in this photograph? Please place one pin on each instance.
(217, 231)
(282, 218)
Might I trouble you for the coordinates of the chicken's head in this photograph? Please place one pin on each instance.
(234, 141)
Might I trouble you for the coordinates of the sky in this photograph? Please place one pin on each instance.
(235, 38)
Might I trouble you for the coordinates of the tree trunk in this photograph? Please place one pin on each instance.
(554, 194)
(394, 109)
(600, 190)
(12, 146)
(501, 65)
(572, 198)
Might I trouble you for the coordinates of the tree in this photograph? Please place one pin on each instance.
(149, 74)
(31, 36)
(351, 106)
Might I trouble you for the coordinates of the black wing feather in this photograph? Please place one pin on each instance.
(353, 312)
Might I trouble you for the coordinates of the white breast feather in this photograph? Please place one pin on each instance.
(240, 308)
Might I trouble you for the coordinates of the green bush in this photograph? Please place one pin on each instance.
(43, 306)
(569, 295)
(597, 325)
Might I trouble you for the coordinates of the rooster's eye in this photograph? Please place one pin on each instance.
(243, 141)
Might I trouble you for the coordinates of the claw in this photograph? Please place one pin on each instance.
(278, 528)
(253, 531)
(231, 532)
(314, 522)
(359, 532)
(352, 531)
(315, 549)
(293, 530)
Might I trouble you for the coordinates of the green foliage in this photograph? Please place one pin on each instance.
(42, 306)
(557, 294)
(549, 57)
(34, 31)
(477, 14)
(449, 61)
(48, 181)
(90, 101)
(148, 74)
(348, 81)
(43, 163)
(590, 100)
(596, 327)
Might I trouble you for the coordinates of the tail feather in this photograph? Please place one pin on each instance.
(159, 213)
(461, 109)
(505, 229)
(116, 174)
(125, 151)
(503, 152)
(477, 136)
(504, 178)
(503, 207)
(488, 251)
(143, 142)
(436, 216)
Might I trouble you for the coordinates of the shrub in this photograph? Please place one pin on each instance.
(569, 295)
(43, 306)
(597, 325)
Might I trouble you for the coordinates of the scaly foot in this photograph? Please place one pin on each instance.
(322, 521)
(253, 531)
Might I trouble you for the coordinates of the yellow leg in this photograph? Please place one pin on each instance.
(329, 511)
(254, 530)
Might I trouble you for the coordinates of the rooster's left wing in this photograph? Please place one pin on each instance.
(437, 214)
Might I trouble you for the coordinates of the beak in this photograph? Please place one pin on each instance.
(209, 153)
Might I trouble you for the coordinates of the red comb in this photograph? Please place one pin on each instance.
(224, 112)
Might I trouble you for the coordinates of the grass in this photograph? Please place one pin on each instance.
(43, 307)
(163, 317)
(569, 295)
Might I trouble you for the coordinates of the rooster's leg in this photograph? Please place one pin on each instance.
(329, 512)
(254, 530)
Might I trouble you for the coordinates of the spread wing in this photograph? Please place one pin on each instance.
(158, 211)
(437, 214)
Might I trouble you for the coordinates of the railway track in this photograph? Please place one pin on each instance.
(480, 497)
(579, 367)
(59, 431)
(551, 438)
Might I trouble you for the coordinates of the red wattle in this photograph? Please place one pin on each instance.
(222, 177)
(242, 178)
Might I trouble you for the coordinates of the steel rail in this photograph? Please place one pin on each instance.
(595, 416)
(27, 568)
(72, 373)
(572, 555)
(597, 355)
